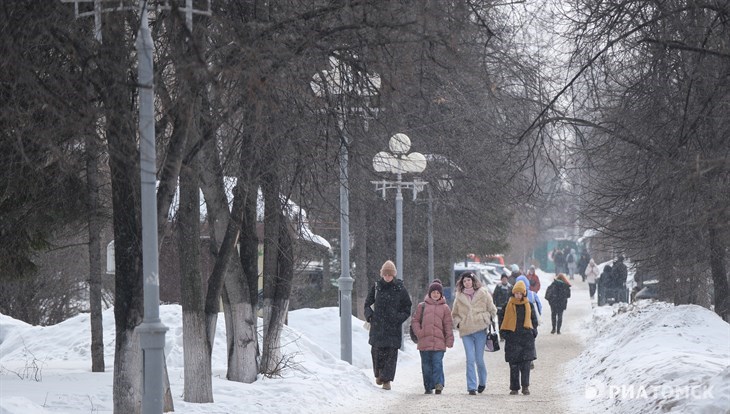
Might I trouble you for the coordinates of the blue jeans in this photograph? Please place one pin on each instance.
(432, 367)
(474, 348)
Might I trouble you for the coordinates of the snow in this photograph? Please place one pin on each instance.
(673, 359)
(653, 357)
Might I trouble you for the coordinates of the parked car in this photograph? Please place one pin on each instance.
(649, 291)
(483, 271)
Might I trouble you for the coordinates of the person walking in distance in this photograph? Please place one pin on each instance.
(515, 274)
(534, 279)
(519, 329)
(433, 325)
(387, 306)
(557, 295)
(502, 293)
(571, 260)
(473, 311)
(559, 259)
(592, 273)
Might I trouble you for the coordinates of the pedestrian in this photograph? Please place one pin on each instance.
(534, 279)
(519, 329)
(604, 284)
(531, 296)
(557, 295)
(433, 325)
(592, 273)
(502, 293)
(473, 311)
(619, 272)
(583, 263)
(515, 273)
(559, 259)
(387, 306)
(570, 259)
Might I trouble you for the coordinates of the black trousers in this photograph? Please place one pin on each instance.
(384, 362)
(500, 317)
(556, 317)
(592, 289)
(517, 370)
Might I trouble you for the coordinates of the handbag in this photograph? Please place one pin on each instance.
(492, 340)
(414, 338)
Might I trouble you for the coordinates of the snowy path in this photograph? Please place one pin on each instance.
(546, 384)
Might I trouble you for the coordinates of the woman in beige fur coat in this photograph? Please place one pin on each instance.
(473, 311)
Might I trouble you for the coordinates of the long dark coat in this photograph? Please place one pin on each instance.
(392, 308)
(558, 295)
(519, 346)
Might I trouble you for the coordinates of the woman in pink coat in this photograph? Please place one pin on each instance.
(433, 326)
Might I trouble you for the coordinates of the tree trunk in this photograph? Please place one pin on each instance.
(719, 273)
(361, 258)
(278, 273)
(93, 178)
(125, 182)
(198, 385)
(238, 307)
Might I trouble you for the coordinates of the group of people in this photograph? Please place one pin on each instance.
(567, 261)
(516, 306)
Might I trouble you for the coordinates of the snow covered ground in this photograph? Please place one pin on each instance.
(650, 357)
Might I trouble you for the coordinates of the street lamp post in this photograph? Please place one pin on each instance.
(398, 161)
(151, 330)
(337, 82)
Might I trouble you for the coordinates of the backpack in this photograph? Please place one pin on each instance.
(550, 292)
(414, 338)
(571, 259)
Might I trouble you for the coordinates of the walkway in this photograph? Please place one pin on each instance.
(553, 352)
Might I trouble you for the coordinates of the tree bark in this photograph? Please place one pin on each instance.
(278, 273)
(719, 273)
(125, 181)
(93, 178)
(239, 308)
(198, 383)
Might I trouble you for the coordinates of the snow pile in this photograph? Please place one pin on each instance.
(653, 357)
(48, 369)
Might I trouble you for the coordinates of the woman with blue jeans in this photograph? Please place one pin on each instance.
(433, 326)
(473, 311)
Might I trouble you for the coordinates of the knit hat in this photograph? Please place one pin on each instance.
(514, 268)
(388, 268)
(436, 285)
(519, 287)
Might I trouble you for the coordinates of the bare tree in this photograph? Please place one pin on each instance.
(654, 138)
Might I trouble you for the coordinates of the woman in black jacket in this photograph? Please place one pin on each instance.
(387, 306)
(519, 329)
(557, 295)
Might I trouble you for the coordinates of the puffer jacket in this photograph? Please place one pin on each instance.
(392, 307)
(473, 315)
(435, 331)
(520, 345)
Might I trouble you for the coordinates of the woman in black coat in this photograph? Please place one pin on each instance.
(519, 330)
(557, 295)
(387, 306)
